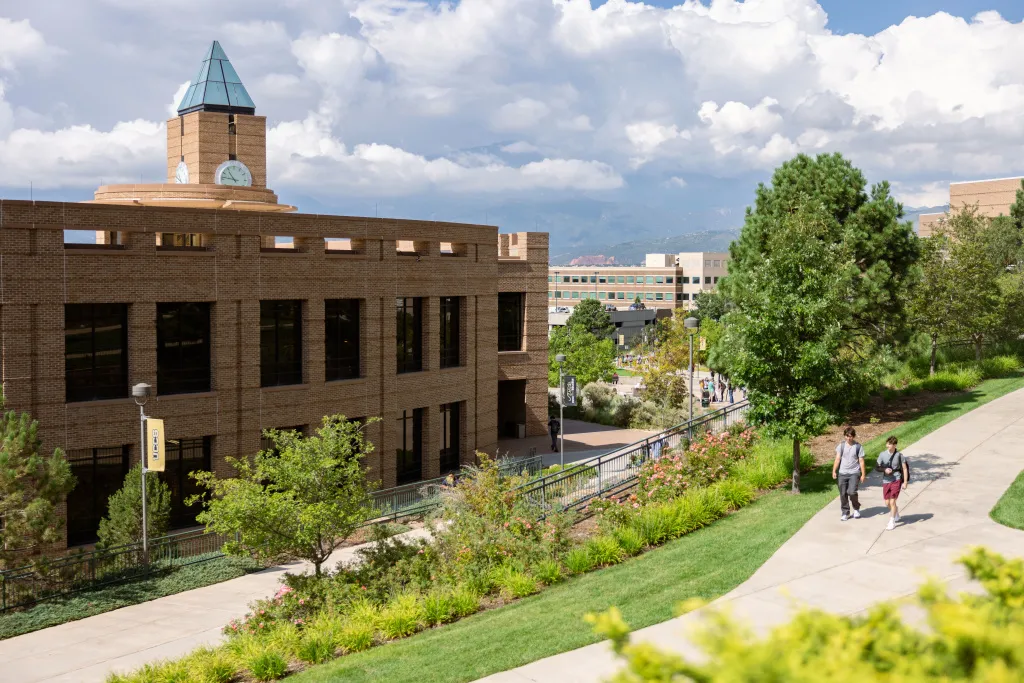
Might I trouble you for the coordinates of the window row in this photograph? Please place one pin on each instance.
(96, 343)
(619, 296)
(629, 279)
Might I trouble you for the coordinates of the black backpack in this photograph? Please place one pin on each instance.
(905, 462)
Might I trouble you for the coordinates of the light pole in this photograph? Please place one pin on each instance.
(691, 323)
(560, 359)
(140, 392)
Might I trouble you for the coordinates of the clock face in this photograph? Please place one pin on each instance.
(181, 174)
(233, 172)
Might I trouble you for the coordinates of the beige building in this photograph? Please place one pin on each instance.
(665, 281)
(243, 315)
(993, 198)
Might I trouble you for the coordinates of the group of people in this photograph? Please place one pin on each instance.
(849, 472)
(717, 389)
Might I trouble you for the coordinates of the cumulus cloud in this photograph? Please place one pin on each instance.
(922, 195)
(387, 96)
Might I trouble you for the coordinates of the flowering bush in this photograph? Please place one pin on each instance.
(483, 524)
(706, 461)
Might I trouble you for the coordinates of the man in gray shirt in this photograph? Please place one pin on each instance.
(851, 473)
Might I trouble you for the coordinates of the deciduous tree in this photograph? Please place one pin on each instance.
(591, 316)
(300, 499)
(934, 295)
(587, 357)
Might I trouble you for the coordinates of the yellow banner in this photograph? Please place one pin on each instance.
(154, 445)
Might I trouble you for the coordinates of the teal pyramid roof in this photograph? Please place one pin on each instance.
(216, 87)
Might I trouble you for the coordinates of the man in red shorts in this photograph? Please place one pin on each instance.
(894, 478)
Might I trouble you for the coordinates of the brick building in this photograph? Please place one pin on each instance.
(665, 281)
(243, 316)
(993, 198)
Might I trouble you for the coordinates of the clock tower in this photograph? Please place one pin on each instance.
(217, 124)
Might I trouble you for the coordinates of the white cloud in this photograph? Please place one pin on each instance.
(519, 115)
(924, 194)
(676, 181)
(256, 33)
(19, 42)
(520, 147)
(172, 106)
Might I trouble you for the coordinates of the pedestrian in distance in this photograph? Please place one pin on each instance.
(731, 398)
(848, 470)
(554, 427)
(895, 478)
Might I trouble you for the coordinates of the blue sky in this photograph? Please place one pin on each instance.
(599, 124)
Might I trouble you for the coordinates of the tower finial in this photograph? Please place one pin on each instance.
(216, 87)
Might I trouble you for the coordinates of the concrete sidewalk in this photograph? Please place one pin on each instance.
(87, 651)
(958, 473)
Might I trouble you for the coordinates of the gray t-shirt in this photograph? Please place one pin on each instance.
(897, 466)
(849, 457)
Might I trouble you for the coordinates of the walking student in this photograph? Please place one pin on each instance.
(848, 470)
(554, 427)
(895, 478)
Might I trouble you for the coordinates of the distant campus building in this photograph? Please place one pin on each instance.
(993, 198)
(243, 316)
(665, 281)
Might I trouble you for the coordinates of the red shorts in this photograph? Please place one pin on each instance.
(891, 491)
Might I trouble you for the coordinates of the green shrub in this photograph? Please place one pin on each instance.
(316, 647)
(736, 493)
(123, 523)
(514, 583)
(175, 671)
(464, 602)
(365, 613)
(579, 561)
(770, 463)
(605, 550)
(969, 638)
(402, 617)
(1000, 366)
(267, 664)
(960, 379)
(548, 572)
(437, 607)
(210, 666)
(654, 523)
(284, 638)
(356, 637)
(630, 540)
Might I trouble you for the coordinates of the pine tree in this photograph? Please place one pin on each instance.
(123, 523)
(32, 487)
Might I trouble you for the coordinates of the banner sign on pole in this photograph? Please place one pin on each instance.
(154, 445)
(569, 391)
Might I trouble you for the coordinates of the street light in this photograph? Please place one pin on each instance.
(140, 392)
(560, 359)
(691, 323)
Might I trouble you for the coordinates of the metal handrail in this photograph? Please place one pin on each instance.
(588, 479)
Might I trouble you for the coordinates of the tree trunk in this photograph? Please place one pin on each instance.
(796, 465)
(978, 339)
(935, 347)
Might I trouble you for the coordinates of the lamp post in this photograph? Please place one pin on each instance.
(560, 359)
(140, 392)
(691, 323)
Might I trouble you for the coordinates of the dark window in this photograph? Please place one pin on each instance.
(341, 339)
(95, 351)
(268, 445)
(707, 279)
(450, 441)
(409, 454)
(409, 326)
(182, 348)
(182, 457)
(100, 473)
(695, 279)
(450, 331)
(510, 321)
(280, 343)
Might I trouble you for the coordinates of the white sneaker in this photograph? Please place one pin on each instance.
(844, 518)
(891, 525)
(896, 518)
(856, 514)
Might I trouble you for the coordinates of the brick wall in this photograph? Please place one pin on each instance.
(40, 275)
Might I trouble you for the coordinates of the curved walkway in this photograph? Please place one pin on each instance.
(958, 473)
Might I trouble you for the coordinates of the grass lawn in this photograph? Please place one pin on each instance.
(1009, 511)
(90, 603)
(704, 564)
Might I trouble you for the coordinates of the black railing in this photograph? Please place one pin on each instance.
(61, 576)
